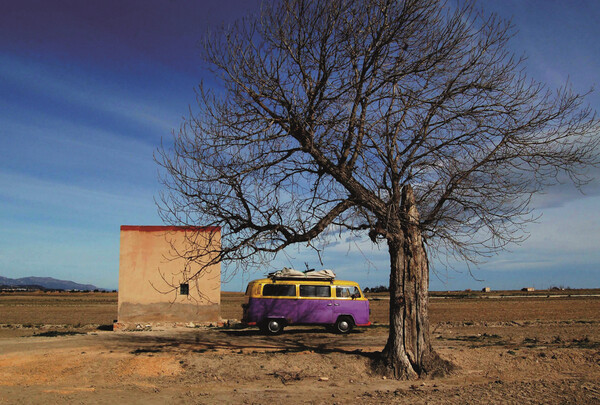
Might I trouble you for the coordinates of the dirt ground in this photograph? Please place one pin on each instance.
(513, 351)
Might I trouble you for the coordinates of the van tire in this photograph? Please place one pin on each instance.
(343, 325)
(272, 327)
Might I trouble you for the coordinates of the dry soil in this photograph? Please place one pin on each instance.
(509, 351)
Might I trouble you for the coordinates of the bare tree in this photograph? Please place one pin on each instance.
(407, 121)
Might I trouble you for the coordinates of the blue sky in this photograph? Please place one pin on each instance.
(89, 88)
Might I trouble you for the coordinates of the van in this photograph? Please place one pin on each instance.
(281, 300)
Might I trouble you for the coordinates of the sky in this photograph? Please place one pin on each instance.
(88, 89)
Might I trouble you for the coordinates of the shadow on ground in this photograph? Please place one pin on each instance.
(246, 341)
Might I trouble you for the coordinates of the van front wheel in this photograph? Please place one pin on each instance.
(343, 325)
(272, 327)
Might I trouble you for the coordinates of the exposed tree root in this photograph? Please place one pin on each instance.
(432, 366)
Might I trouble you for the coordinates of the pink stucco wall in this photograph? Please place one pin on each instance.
(151, 269)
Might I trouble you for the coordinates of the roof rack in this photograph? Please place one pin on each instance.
(291, 274)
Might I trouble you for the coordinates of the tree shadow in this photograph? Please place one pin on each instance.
(240, 341)
(302, 340)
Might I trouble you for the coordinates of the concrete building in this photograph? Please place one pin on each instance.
(153, 276)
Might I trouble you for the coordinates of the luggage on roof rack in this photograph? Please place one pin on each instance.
(288, 274)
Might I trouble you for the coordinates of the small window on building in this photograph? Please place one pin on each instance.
(315, 291)
(184, 289)
(279, 290)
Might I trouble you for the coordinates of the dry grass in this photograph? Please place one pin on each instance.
(54, 308)
(469, 309)
(101, 308)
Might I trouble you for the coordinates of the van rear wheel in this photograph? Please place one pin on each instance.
(272, 327)
(343, 325)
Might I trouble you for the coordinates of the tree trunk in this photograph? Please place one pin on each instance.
(408, 353)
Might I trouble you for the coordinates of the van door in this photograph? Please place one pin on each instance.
(315, 305)
(349, 302)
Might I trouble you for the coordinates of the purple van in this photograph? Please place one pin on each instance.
(273, 303)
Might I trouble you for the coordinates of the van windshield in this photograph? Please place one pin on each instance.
(346, 291)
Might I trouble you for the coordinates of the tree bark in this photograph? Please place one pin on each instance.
(408, 353)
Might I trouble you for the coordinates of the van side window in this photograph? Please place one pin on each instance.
(346, 291)
(279, 290)
(315, 291)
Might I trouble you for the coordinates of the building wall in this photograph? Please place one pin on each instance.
(151, 271)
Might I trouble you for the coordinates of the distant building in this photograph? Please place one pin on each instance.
(152, 285)
(486, 289)
(528, 289)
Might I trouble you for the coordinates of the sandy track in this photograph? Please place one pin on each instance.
(514, 364)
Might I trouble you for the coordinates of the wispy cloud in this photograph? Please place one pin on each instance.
(61, 201)
(79, 87)
(53, 146)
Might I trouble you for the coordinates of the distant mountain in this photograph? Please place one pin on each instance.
(46, 282)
